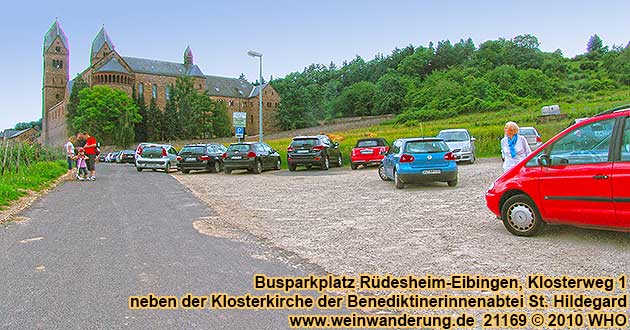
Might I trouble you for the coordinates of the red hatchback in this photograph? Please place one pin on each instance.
(368, 151)
(579, 177)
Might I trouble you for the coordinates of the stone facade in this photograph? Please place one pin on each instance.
(150, 78)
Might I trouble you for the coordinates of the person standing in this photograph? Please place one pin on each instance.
(514, 147)
(90, 151)
(69, 150)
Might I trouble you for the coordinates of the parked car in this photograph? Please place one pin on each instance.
(461, 143)
(101, 157)
(206, 157)
(157, 156)
(114, 155)
(126, 156)
(369, 151)
(578, 177)
(415, 160)
(254, 157)
(316, 150)
(139, 148)
(533, 137)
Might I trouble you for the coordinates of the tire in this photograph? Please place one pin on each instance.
(452, 183)
(259, 167)
(227, 170)
(139, 169)
(339, 161)
(326, 163)
(292, 167)
(472, 161)
(216, 168)
(185, 171)
(399, 183)
(167, 169)
(354, 166)
(521, 217)
(278, 165)
(381, 173)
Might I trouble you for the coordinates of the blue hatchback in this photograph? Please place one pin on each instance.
(415, 160)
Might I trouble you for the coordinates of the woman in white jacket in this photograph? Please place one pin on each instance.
(514, 147)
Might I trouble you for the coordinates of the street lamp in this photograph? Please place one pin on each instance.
(260, 117)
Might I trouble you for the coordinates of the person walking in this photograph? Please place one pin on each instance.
(90, 151)
(69, 150)
(514, 147)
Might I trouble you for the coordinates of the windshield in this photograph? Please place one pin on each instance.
(370, 143)
(192, 150)
(417, 147)
(298, 143)
(453, 136)
(238, 147)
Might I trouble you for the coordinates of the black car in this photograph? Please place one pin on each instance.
(205, 157)
(126, 156)
(254, 157)
(316, 150)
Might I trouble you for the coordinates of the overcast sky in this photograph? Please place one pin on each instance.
(290, 34)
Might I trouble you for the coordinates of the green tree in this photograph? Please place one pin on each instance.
(73, 103)
(108, 114)
(358, 99)
(595, 45)
(170, 122)
(220, 120)
(390, 93)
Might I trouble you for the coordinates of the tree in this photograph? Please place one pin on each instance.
(31, 124)
(595, 44)
(109, 114)
(170, 122)
(154, 122)
(220, 120)
(357, 100)
(141, 129)
(390, 93)
(242, 76)
(73, 103)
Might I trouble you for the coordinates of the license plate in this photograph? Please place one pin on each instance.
(237, 157)
(366, 152)
(302, 151)
(431, 172)
(191, 159)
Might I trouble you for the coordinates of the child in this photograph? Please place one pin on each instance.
(81, 165)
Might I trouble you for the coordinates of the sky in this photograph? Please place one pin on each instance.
(290, 34)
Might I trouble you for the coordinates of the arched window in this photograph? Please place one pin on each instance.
(141, 89)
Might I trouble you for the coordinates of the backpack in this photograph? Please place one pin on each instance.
(98, 148)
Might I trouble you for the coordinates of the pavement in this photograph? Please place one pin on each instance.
(84, 248)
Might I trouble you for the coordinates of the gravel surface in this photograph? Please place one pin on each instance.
(352, 222)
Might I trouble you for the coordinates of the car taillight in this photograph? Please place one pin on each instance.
(318, 148)
(449, 156)
(179, 158)
(204, 157)
(354, 151)
(224, 156)
(251, 154)
(538, 139)
(164, 153)
(384, 150)
(290, 149)
(406, 158)
(139, 152)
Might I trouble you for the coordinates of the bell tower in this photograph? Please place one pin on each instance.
(56, 54)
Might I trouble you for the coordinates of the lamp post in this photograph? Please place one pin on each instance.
(260, 116)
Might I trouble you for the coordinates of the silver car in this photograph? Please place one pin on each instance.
(461, 144)
(533, 137)
(157, 157)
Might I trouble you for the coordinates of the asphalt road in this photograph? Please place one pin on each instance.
(87, 246)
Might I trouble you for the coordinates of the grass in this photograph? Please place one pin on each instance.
(486, 127)
(35, 178)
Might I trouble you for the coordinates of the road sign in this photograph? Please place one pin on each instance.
(239, 119)
(239, 132)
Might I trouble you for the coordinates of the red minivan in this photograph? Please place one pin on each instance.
(579, 177)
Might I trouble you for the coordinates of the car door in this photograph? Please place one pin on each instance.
(621, 176)
(273, 156)
(172, 156)
(390, 160)
(575, 183)
(262, 154)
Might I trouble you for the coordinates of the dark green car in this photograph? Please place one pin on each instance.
(254, 157)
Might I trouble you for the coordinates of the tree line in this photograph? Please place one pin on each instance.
(119, 119)
(445, 79)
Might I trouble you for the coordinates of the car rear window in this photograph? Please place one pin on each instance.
(453, 136)
(151, 151)
(129, 152)
(528, 131)
(304, 142)
(370, 143)
(238, 147)
(418, 147)
(193, 150)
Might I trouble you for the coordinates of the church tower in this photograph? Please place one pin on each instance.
(56, 72)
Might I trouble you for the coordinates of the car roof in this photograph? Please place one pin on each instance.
(454, 130)
(237, 143)
(307, 137)
(420, 139)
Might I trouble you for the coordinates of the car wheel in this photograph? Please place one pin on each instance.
(227, 170)
(139, 169)
(278, 164)
(167, 169)
(452, 183)
(259, 167)
(473, 159)
(292, 167)
(521, 217)
(216, 168)
(399, 183)
(339, 161)
(326, 163)
(354, 166)
(381, 173)
(185, 171)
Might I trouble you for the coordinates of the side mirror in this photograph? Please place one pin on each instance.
(336, 144)
(472, 139)
(543, 160)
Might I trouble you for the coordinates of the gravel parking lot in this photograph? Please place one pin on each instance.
(352, 222)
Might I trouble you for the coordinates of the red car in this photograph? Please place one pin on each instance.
(579, 177)
(368, 151)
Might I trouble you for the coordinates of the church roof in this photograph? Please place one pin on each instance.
(229, 87)
(112, 65)
(256, 90)
(101, 39)
(52, 34)
(143, 65)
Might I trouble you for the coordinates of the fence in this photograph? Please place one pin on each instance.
(16, 154)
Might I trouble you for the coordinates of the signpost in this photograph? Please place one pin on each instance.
(239, 121)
